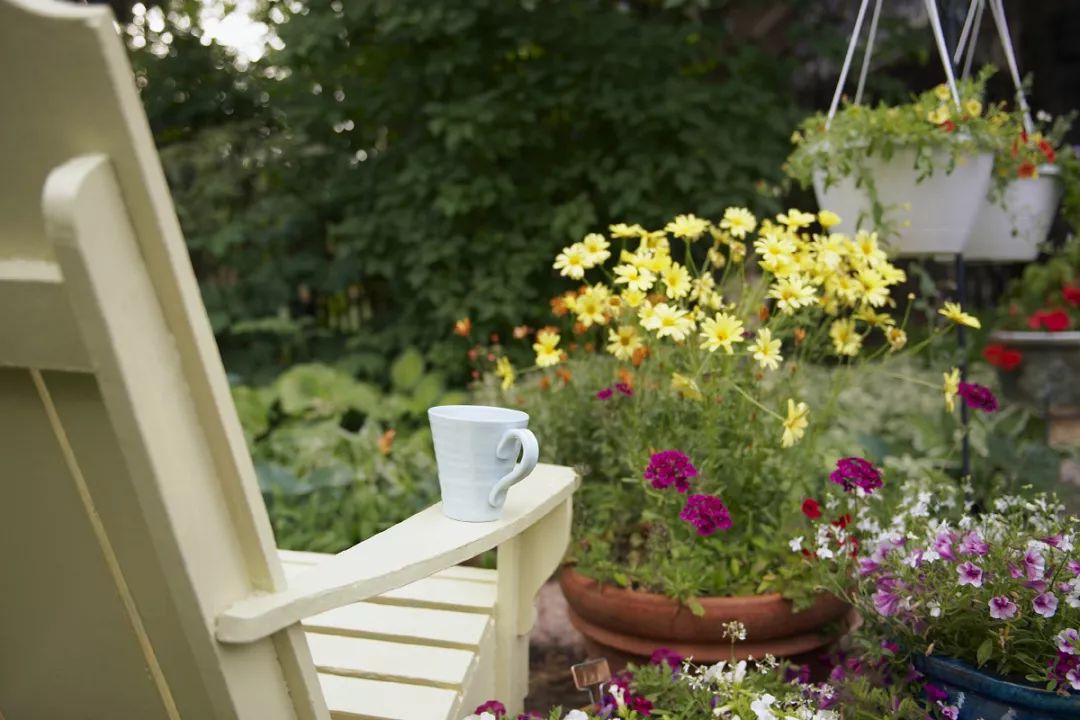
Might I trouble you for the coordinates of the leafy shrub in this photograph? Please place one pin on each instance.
(340, 460)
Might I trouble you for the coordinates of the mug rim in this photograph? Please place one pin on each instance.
(492, 414)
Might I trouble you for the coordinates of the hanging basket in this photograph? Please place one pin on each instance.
(931, 216)
(1012, 228)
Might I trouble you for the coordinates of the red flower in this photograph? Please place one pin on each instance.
(1002, 357)
(1054, 320)
(843, 521)
(811, 509)
(1026, 169)
(1071, 293)
(1047, 151)
(948, 126)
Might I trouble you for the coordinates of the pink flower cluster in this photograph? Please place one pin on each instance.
(671, 468)
(853, 472)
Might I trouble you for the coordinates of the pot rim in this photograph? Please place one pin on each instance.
(607, 588)
(964, 675)
(1066, 338)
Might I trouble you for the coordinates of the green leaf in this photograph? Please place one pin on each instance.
(695, 607)
(986, 649)
(407, 370)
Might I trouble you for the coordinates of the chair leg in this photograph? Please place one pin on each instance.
(524, 563)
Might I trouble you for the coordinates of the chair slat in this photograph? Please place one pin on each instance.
(37, 328)
(381, 660)
(360, 699)
(417, 626)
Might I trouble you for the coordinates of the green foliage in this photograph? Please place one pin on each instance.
(399, 165)
(340, 460)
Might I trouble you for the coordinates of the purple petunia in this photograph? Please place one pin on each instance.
(970, 574)
(666, 655)
(1002, 608)
(950, 712)
(978, 397)
(707, 513)
(1045, 604)
(973, 544)
(1074, 566)
(1068, 641)
(853, 472)
(943, 545)
(934, 693)
(670, 467)
(887, 598)
(1065, 668)
(1034, 565)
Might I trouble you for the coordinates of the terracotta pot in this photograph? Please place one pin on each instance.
(636, 623)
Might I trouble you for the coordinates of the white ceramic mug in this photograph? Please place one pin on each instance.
(475, 449)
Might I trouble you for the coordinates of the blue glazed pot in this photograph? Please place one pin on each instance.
(982, 695)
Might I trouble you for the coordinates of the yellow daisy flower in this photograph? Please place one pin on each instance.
(897, 338)
(951, 388)
(596, 249)
(505, 370)
(766, 350)
(973, 107)
(590, 308)
(688, 227)
(795, 423)
(939, 115)
(796, 219)
(632, 298)
(572, 261)
(828, 218)
(676, 281)
(846, 339)
(686, 387)
(953, 312)
(668, 321)
(546, 348)
(622, 230)
(738, 221)
(873, 290)
(865, 249)
(791, 293)
(942, 93)
(624, 342)
(721, 331)
(635, 278)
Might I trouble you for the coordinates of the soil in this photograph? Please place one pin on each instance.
(554, 646)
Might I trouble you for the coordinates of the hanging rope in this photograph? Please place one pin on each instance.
(847, 63)
(939, 38)
(997, 9)
(974, 36)
(865, 69)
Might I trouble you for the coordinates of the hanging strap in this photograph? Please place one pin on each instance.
(997, 9)
(847, 63)
(865, 69)
(939, 38)
(980, 6)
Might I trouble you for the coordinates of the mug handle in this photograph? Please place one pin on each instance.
(530, 454)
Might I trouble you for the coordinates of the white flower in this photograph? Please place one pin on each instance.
(761, 707)
(576, 715)
(935, 609)
(825, 553)
(796, 544)
(481, 716)
(739, 674)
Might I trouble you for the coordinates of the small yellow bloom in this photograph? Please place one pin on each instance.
(721, 331)
(688, 227)
(624, 342)
(791, 293)
(897, 338)
(686, 387)
(596, 249)
(632, 298)
(953, 312)
(828, 218)
(505, 370)
(546, 348)
(796, 219)
(668, 321)
(634, 277)
(676, 281)
(738, 221)
(973, 107)
(795, 423)
(939, 114)
(942, 93)
(873, 318)
(572, 261)
(766, 350)
(716, 257)
(865, 249)
(622, 230)
(590, 307)
(951, 388)
(872, 288)
(846, 339)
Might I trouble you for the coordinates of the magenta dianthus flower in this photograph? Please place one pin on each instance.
(604, 394)
(707, 513)
(624, 389)
(853, 472)
(978, 397)
(666, 655)
(494, 707)
(670, 467)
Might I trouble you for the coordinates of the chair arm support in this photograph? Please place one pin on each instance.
(411, 550)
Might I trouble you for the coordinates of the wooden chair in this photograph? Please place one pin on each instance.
(138, 575)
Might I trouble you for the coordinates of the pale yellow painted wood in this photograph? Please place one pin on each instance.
(398, 662)
(415, 625)
(36, 310)
(409, 551)
(294, 560)
(363, 699)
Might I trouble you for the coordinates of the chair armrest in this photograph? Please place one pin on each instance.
(409, 551)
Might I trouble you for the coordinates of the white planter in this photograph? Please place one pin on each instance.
(935, 216)
(1012, 228)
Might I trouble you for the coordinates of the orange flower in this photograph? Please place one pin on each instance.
(521, 332)
(558, 306)
(579, 328)
(551, 329)
(463, 327)
(563, 375)
(626, 377)
(545, 382)
(590, 347)
(763, 312)
(639, 356)
(800, 335)
(386, 440)
(1026, 169)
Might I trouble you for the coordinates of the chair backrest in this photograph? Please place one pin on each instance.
(129, 512)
